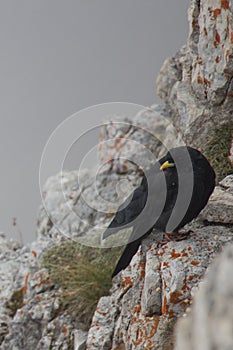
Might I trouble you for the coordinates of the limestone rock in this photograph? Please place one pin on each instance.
(145, 311)
(129, 143)
(196, 83)
(220, 206)
(209, 325)
(38, 322)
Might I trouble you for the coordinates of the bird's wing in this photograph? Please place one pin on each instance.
(129, 210)
(150, 200)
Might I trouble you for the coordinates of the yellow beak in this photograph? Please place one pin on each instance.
(166, 165)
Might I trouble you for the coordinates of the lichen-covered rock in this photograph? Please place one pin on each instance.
(196, 83)
(220, 205)
(78, 204)
(17, 265)
(101, 331)
(39, 322)
(209, 324)
(145, 311)
(129, 143)
(158, 286)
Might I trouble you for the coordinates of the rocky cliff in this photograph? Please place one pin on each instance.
(172, 297)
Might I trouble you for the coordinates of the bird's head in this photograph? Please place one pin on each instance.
(179, 158)
(185, 159)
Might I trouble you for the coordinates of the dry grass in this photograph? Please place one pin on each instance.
(83, 273)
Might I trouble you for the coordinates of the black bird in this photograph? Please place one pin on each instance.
(171, 194)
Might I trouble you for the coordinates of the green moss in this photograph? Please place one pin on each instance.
(217, 151)
(83, 273)
(15, 302)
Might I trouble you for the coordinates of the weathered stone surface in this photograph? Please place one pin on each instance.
(220, 205)
(127, 144)
(196, 83)
(38, 322)
(101, 331)
(151, 296)
(144, 311)
(77, 208)
(227, 182)
(209, 324)
(158, 286)
(80, 338)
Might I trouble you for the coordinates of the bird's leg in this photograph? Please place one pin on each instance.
(174, 237)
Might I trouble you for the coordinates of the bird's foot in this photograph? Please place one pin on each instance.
(174, 237)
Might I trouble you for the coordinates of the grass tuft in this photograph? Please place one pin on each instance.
(84, 275)
(217, 151)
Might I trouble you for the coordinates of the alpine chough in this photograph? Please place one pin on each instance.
(171, 194)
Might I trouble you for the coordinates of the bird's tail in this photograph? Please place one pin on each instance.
(129, 251)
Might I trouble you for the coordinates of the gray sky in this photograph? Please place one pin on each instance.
(58, 57)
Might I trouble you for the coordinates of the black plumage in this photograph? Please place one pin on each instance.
(171, 194)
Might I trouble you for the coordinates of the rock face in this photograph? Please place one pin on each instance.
(196, 84)
(159, 285)
(154, 290)
(209, 324)
(220, 206)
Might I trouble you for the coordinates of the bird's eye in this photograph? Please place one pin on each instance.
(173, 184)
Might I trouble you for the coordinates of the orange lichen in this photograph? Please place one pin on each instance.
(43, 281)
(225, 4)
(216, 12)
(154, 327)
(137, 308)
(189, 248)
(126, 282)
(195, 262)
(142, 274)
(205, 31)
(207, 82)
(199, 79)
(164, 306)
(164, 284)
(65, 330)
(165, 264)
(231, 37)
(217, 59)
(170, 313)
(25, 287)
(194, 23)
(175, 297)
(139, 337)
(174, 255)
(103, 313)
(217, 39)
(34, 253)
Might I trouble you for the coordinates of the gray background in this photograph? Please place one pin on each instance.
(58, 57)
